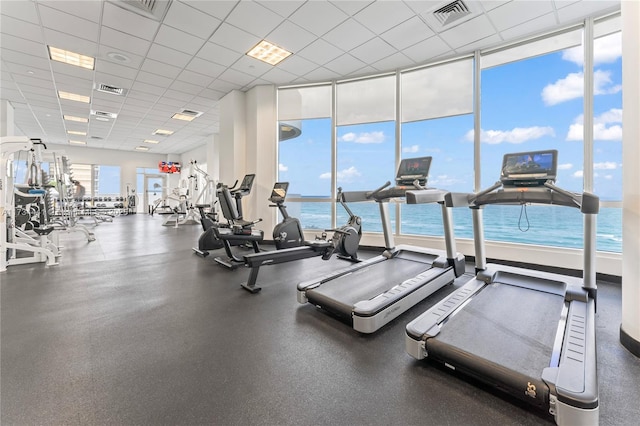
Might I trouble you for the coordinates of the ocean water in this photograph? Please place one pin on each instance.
(535, 224)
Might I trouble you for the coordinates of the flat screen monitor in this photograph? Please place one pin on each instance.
(279, 192)
(247, 183)
(529, 168)
(411, 169)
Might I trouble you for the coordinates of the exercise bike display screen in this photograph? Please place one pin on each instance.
(529, 168)
(279, 192)
(411, 169)
(247, 183)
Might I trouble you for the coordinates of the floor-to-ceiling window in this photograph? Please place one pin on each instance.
(366, 142)
(304, 153)
(436, 107)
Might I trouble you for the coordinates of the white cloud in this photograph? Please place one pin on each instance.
(605, 50)
(345, 175)
(515, 136)
(578, 174)
(605, 127)
(412, 148)
(606, 165)
(444, 181)
(571, 87)
(364, 137)
(282, 167)
(608, 177)
(566, 166)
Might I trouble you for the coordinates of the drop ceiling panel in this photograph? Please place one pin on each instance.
(297, 65)
(257, 19)
(234, 38)
(425, 50)
(61, 69)
(26, 79)
(219, 9)
(283, 8)
(396, 61)
(530, 27)
(160, 68)
(190, 20)
(373, 51)
(582, 9)
(128, 22)
(154, 79)
(510, 14)
(23, 10)
(18, 28)
(89, 10)
(168, 56)
(351, 7)
(66, 23)
(139, 86)
(68, 42)
(24, 59)
(123, 42)
(112, 68)
(23, 45)
(468, 32)
(237, 77)
(211, 94)
(222, 86)
(383, 15)
(345, 64)
(178, 40)
(251, 66)
(349, 34)
(185, 87)
(204, 67)
(407, 33)
(218, 54)
(198, 79)
(320, 52)
(278, 76)
(291, 37)
(318, 17)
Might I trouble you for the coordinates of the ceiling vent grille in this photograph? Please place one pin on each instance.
(191, 113)
(154, 9)
(451, 12)
(103, 114)
(105, 88)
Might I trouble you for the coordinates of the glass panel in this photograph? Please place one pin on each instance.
(305, 161)
(83, 173)
(366, 156)
(439, 91)
(304, 102)
(107, 180)
(609, 234)
(312, 215)
(366, 101)
(369, 212)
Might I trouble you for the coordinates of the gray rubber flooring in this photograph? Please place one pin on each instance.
(135, 329)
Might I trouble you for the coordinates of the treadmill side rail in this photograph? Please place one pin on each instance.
(427, 324)
(369, 315)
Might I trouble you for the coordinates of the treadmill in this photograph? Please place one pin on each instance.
(369, 294)
(530, 334)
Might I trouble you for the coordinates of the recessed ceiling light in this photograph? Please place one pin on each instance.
(76, 132)
(268, 52)
(74, 97)
(74, 118)
(142, 148)
(150, 141)
(71, 58)
(102, 119)
(163, 132)
(186, 115)
(78, 142)
(120, 57)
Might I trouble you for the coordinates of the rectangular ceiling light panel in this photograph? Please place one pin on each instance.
(163, 132)
(142, 148)
(151, 141)
(76, 132)
(74, 118)
(186, 115)
(268, 52)
(74, 97)
(78, 142)
(71, 58)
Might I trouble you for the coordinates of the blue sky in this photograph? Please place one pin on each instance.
(532, 104)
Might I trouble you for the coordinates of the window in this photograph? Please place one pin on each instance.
(436, 108)
(304, 153)
(366, 143)
(106, 181)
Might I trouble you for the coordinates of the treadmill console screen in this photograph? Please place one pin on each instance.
(529, 168)
(279, 192)
(411, 169)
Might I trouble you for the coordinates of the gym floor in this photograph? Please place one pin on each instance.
(135, 329)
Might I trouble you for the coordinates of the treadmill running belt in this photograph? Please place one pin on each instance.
(340, 294)
(506, 325)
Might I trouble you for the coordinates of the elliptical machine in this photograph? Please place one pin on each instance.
(208, 239)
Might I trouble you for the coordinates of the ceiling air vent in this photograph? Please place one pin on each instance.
(442, 17)
(451, 12)
(154, 9)
(186, 115)
(105, 88)
(97, 137)
(103, 114)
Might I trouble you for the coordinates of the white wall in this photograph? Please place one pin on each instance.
(127, 160)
